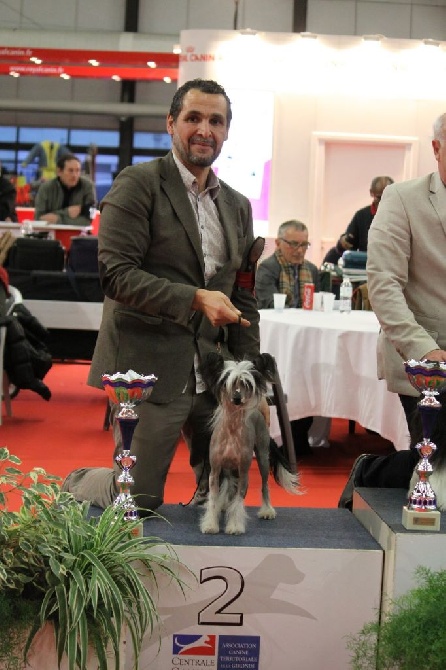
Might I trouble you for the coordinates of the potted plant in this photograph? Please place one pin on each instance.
(87, 578)
(411, 635)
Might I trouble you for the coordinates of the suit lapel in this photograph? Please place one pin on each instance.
(438, 198)
(226, 210)
(173, 186)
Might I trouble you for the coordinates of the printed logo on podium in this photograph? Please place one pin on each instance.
(194, 645)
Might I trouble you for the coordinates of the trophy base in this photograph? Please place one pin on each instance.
(414, 519)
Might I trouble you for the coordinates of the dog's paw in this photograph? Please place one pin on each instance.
(233, 528)
(209, 528)
(267, 512)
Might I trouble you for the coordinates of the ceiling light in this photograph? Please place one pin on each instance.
(151, 63)
(35, 60)
(94, 62)
(168, 80)
(176, 49)
(116, 77)
(64, 75)
(14, 74)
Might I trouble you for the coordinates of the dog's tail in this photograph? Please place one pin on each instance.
(281, 470)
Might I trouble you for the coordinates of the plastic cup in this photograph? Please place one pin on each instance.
(328, 302)
(279, 301)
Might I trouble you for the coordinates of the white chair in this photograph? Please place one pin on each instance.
(14, 298)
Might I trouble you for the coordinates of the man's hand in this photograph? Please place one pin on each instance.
(50, 217)
(74, 211)
(217, 307)
(435, 355)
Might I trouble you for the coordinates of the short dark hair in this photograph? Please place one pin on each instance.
(203, 85)
(380, 182)
(64, 158)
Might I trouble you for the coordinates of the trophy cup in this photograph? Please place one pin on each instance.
(429, 378)
(127, 390)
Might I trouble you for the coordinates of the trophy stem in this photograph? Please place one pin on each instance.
(126, 461)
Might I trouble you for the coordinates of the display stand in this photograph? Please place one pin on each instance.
(379, 511)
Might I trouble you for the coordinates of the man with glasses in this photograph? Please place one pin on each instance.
(287, 271)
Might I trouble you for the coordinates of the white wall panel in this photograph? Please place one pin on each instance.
(429, 22)
(390, 19)
(92, 90)
(100, 14)
(50, 15)
(163, 16)
(331, 17)
(274, 16)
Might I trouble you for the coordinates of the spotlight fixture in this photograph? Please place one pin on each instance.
(14, 74)
(64, 75)
(116, 77)
(167, 80)
(94, 62)
(373, 38)
(176, 49)
(431, 43)
(151, 63)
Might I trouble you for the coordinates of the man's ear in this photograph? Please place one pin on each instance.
(169, 124)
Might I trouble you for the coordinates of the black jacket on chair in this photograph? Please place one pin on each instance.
(27, 358)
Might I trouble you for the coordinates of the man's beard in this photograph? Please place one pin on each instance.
(188, 156)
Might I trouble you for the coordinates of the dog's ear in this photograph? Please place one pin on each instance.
(266, 365)
(211, 369)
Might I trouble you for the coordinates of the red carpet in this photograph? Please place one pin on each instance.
(67, 432)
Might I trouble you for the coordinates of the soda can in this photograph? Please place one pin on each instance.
(308, 296)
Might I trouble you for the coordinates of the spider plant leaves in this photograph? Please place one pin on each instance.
(92, 578)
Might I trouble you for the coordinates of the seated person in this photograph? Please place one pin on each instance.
(67, 198)
(356, 235)
(287, 271)
(396, 470)
(8, 195)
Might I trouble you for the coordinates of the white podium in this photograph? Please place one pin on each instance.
(284, 595)
(380, 512)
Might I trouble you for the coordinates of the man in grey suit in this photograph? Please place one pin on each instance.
(406, 272)
(172, 240)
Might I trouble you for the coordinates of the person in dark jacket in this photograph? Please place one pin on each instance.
(26, 356)
(8, 196)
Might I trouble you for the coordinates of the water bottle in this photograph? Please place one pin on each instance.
(345, 295)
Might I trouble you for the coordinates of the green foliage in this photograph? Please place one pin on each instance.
(90, 577)
(411, 635)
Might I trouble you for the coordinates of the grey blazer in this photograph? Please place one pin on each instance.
(151, 264)
(406, 270)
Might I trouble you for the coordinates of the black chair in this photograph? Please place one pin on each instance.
(29, 253)
(83, 254)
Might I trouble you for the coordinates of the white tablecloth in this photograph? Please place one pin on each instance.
(327, 365)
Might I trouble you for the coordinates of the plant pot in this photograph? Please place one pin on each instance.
(43, 655)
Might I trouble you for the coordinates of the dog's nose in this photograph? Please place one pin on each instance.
(237, 398)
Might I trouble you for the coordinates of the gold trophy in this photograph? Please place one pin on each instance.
(429, 378)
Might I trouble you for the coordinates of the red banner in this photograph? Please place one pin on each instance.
(48, 70)
(83, 56)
